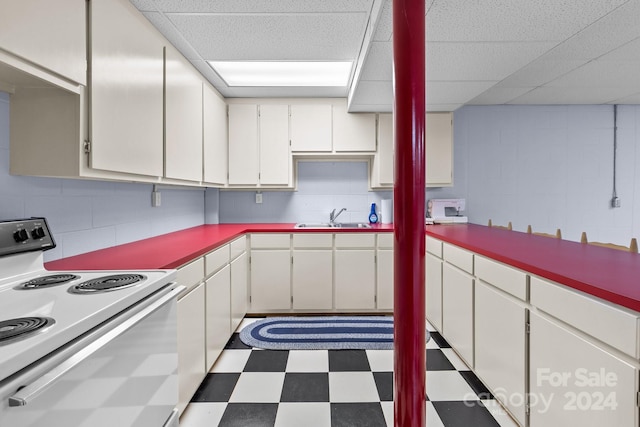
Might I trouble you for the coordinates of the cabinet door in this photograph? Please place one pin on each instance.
(215, 137)
(384, 282)
(270, 280)
(311, 128)
(312, 279)
(50, 34)
(433, 290)
(239, 297)
(457, 310)
(218, 313)
(581, 384)
(353, 131)
(243, 144)
(127, 90)
(500, 356)
(275, 159)
(439, 149)
(355, 279)
(384, 158)
(191, 344)
(183, 119)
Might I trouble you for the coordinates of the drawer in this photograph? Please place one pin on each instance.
(503, 277)
(191, 274)
(355, 240)
(434, 246)
(313, 240)
(217, 259)
(459, 257)
(385, 240)
(238, 247)
(607, 322)
(270, 241)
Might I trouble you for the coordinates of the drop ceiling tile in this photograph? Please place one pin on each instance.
(255, 6)
(603, 74)
(508, 20)
(480, 61)
(274, 37)
(539, 72)
(499, 95)
(172, 34)
(384, 26)
(434, 108)
(144, 5)
(626, 52)
(286, 92)
(453, 92)
(633, 99)
(604, 35)
(572, 95)
(378, 66)
(373, 93)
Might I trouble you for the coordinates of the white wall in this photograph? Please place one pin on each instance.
(90, 215)
(551, 167)
(322, 186)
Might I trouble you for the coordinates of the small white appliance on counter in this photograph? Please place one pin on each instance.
(446, 211)
(83, 348)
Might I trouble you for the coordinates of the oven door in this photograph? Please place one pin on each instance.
(123, 373)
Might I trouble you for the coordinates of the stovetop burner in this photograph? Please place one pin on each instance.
(107, 283)
(22, 327)
(46, 281)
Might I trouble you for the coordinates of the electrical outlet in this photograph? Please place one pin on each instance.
(615, 202)
(258, 197)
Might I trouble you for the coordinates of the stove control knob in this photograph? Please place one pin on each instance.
(37, 233)
(21, 235)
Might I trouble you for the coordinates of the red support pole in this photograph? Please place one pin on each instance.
(409, 212)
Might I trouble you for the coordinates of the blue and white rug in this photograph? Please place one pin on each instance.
(321, 333)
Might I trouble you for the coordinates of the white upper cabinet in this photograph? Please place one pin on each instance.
(51, 34)
(127, 66)
(243, 144)
(183, 119)
(275, 159)
(439, 149)
(215, 137)
(353, 131)
(311, 128)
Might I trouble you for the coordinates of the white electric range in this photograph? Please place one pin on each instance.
(77, 346)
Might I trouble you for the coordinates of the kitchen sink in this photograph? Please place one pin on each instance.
(334, 225)
(352, 225)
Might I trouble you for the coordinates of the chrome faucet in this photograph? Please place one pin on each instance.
(333, 216)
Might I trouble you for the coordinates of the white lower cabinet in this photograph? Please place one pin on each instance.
(457, 310)
(433, 290)
(384, 279)
(270, 280)
(218, 313)
(191, 344)
(239, 294)
(500, 353)
(312, 278)
(355, 279)
(574, 382)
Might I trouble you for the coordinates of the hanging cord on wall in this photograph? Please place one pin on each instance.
(615, 201)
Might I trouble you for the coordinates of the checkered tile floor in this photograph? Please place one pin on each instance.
(251, 387)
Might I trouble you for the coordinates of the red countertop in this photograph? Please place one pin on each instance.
(606, 273)
(178, 248)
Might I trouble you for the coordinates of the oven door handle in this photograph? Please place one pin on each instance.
(28, 393)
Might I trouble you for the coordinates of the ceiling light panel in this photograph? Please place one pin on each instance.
(238, 37)
(286, 73)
